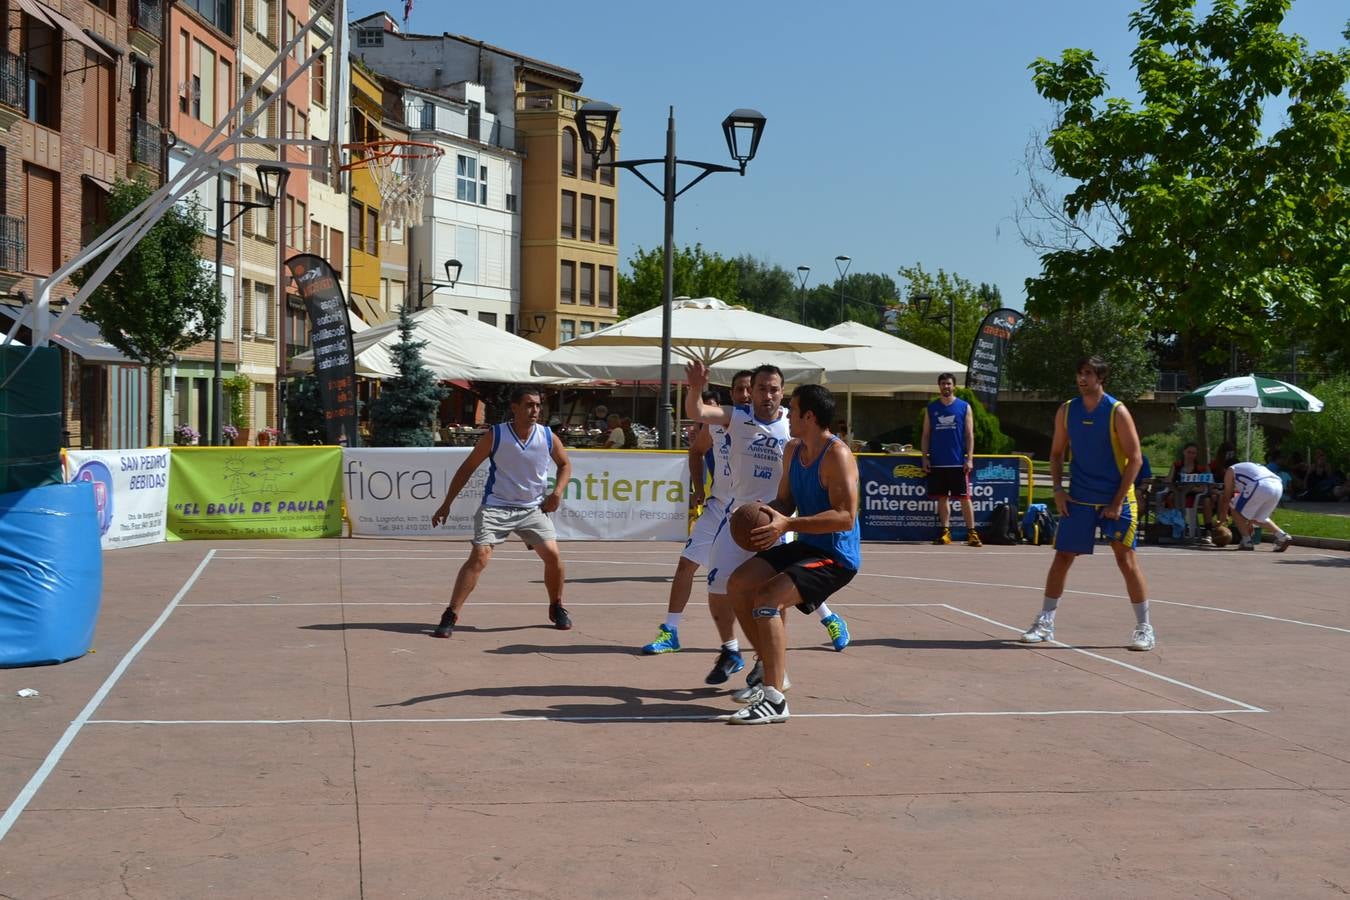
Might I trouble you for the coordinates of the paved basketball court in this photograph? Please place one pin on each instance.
(270, 719)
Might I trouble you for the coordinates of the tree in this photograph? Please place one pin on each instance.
(1328, 430)
(970, 303)
(697, 274)
(159, 299)
(304, 411)
(1045, 348)
(1180, 205)
(405, 410)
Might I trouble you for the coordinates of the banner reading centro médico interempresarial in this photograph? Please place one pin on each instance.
(894, 503)
(611, 495)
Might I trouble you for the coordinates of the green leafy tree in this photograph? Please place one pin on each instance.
(989, 437)
(970, 303)
(159, 299)
(304, 411)
(405, 410)
(1181, 205)
(1329, 429)
(767, 289)
(697, 272)
(1045, 348)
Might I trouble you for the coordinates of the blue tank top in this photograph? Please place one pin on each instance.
(1096, 462)
(812, 497)
(947, 433)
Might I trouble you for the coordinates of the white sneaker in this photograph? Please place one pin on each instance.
(1246, 545)
(752, 693)
(765, 712)
(1282, 542)
(1142, 639)
(1041, 630)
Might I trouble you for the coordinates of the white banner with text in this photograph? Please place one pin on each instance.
(612, 495)
(131, 488)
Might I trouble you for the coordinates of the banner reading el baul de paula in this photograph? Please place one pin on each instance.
(331, 337)
(276, 492)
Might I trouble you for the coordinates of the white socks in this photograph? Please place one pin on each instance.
(1140, 613)
(823, 610)
(673, 620)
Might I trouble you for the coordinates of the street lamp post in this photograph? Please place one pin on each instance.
(742, 129)
(426, 288)
(803, 273)
(271, 184)
(842, 270)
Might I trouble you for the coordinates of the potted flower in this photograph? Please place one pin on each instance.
(230, 433)
(268, 436)
(185, 435)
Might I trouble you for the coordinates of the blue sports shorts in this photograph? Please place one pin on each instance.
(1078, 530)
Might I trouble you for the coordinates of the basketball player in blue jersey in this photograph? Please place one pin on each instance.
(948, 446)
(759, 432)
(710, 453)
(820, 484)
(1099, 434)
(515, 501)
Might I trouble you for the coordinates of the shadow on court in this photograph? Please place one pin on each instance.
(413, 627)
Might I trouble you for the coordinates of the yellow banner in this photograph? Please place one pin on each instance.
(254, 492)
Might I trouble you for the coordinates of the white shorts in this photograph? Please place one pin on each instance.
(1259, 498)
(494, 524)
(727, 556)
(698, 548)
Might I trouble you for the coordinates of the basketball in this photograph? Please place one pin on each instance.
(746, 519)
(1223, 536)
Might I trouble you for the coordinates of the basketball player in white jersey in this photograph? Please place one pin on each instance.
(759, 432)
(514, 502)
(710, 453)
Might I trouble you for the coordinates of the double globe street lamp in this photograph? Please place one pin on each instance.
(742, 129)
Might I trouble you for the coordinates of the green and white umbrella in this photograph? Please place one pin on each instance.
(1253, 393)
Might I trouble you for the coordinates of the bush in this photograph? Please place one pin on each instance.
(989, 438)
(1164, 448)
(1329, 429)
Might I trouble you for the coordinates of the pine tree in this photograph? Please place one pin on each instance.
(304, 411)
(403, 414)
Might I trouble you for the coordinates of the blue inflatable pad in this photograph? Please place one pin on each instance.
(51, 574)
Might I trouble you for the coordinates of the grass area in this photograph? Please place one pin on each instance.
(1311, 524)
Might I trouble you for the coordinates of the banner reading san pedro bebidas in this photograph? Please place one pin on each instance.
(331, 336)
(988, 352)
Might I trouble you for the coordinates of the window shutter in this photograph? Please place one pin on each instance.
(43, 200)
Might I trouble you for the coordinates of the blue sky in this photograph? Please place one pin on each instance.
(896, 130)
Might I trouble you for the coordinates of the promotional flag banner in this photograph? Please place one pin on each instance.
(984, 371)
(245, 492)
(331, 337)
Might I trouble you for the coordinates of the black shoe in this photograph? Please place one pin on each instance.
(448, 620)
(559, 617)
(728, 663)
(756, 676)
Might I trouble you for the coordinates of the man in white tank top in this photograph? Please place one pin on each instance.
(759, 432)
(710, 453)
(515, 501)
(1251, 492)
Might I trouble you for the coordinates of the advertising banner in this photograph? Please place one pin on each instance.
(331, 336)
(254, 492)
(131, 491)
(614, 496)
(985, 369)
(894, 495)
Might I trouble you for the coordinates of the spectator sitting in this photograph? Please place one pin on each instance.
(630, 438)
(1273, 464)
(1189, 464)
(615, 441)
(1322, 480)
(1224, 457)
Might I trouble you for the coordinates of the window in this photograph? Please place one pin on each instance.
(467, 176)
(355, 217)
(335, 251)
(567, 276)
(569, 152)
(568, 329)
(587, 169)
(289, 34)
(219, 13)
(482, 185)
(266, 124)
(606, 220)
(249, 106)
(42, 47)
(318, 80)
(488, 318)
(569, 214)
(427, 116)
(315, 238)
(262, 309)
(264, 19)
(587, 292)
(607, 286)
(93, 210)
(318, 158)
(372, 231)
(587, 217)
(204, 84)
(100, 104)
(297, 324)
(607, 172)
(370, 37)
(246, 221)
(587, 327)
(224, 83)
(511, 203)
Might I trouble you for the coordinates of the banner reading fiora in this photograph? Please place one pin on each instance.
(331, 337)
(254, 492)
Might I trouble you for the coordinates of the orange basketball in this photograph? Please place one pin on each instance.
(1223, 536)
(746, 519)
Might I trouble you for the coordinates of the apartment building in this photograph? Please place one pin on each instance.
(558, 213)
(363, 210)
(80, 108)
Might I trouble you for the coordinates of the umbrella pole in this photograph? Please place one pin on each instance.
(1249, 435)
(848, 416)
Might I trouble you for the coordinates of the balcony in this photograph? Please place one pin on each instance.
(146, 140)
(13, 244)
(420, 116)
(146, 26)
(13, 88)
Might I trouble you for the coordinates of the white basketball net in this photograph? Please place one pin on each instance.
(403, 177)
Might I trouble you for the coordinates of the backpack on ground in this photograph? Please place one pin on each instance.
(1003, 525)
(1039, 526)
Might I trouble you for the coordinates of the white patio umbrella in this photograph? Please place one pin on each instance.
(882, 364)
(573, 360)
(1253, 393)
(459, 348)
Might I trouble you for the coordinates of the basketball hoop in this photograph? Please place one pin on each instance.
(402, 171)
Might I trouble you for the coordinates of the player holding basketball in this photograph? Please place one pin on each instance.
(820, 485)
(1251, 492)
(759, 432)
(710, 452)
(1100, 433)
(514, 502)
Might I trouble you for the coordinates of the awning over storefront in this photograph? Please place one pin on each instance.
(370, 311)
(80, 337)
(63, 23)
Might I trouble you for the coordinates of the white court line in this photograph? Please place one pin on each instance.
(440, 604)
(469, 720)
(1114, 662)
(31, 788)
(1238, 612)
